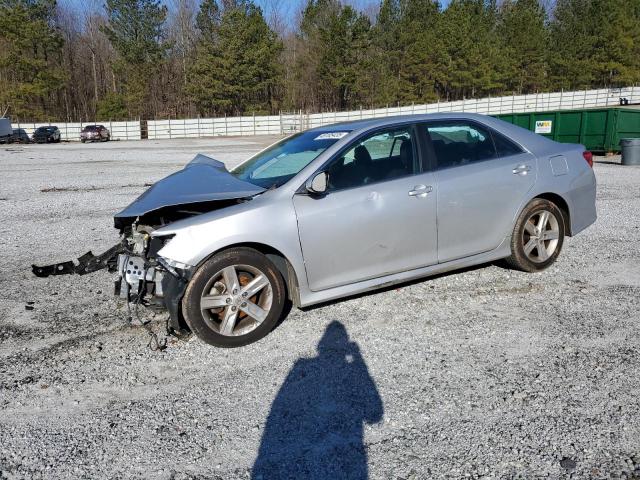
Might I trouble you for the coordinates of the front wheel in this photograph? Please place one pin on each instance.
(537, 236)
(234, 298)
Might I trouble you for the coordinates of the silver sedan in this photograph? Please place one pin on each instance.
(343, 209)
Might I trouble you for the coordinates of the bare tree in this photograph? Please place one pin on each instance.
(182, 35)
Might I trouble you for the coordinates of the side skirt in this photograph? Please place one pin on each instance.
(307, 297)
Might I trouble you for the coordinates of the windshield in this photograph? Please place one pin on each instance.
(282, 161)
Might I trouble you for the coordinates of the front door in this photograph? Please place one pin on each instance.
(377, 218)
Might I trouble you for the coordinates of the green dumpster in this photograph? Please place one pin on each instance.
(598, 129)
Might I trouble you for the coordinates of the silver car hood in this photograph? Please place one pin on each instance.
(201, 180)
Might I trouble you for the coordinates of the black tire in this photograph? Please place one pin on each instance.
(194, 316)
(82, 140)
(520, 238)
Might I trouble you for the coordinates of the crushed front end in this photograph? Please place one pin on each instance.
(142, 276)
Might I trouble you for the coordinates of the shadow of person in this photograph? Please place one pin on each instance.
(315, 427)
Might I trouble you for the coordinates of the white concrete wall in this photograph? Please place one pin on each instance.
(494, 105)
(209, 127)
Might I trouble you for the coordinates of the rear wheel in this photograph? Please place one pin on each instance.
(235, 298)
(537, 237)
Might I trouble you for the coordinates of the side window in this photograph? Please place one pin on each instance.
(381, 156)
(460, 143)
(504, 146)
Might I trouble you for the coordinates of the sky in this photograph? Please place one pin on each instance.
(287, 10)
(292, 8)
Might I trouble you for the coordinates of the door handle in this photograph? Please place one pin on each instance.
(522, 169)
(420, 191)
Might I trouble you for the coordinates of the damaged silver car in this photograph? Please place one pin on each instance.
(339, 210)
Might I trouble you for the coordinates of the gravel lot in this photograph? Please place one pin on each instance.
(487, 373)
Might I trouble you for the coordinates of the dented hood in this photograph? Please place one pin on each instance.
(201, 180)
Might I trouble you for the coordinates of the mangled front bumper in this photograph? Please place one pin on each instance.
(87, 263)
(142, 276)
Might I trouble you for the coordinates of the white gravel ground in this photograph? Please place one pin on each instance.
(486, 373)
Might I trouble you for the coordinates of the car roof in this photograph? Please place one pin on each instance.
(368, 123)
(524, 137)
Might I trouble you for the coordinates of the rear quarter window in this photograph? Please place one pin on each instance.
(504, 146)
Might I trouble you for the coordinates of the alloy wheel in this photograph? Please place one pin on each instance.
(236, 300)
(540, 236)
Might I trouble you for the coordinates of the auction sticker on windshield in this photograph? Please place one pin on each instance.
(331, 136)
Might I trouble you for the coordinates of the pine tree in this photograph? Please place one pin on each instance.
(615, 42)
(596, 43)
(135, 31)
(208, 21)
(236, 68)
(333, 60)
(570, 47)
(524, 41)
(419, 46)
(471, 60)
(405, 44)
(30, 58)
(386, 52)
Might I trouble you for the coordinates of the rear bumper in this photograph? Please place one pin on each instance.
(582, 202)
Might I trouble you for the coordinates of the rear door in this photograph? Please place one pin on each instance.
(482, 178)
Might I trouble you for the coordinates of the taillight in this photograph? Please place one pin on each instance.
(588, 156)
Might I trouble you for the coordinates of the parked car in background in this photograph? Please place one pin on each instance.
(19, 135)
(95, 133)
(5, 130)
(48, 134)
(344, 209)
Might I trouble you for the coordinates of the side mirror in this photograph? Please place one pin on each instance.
(318, 183)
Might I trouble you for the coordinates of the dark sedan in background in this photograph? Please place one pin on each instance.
(19, 135)
(95, 133)
(48, 134)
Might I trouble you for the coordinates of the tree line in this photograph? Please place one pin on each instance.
(147, 59)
